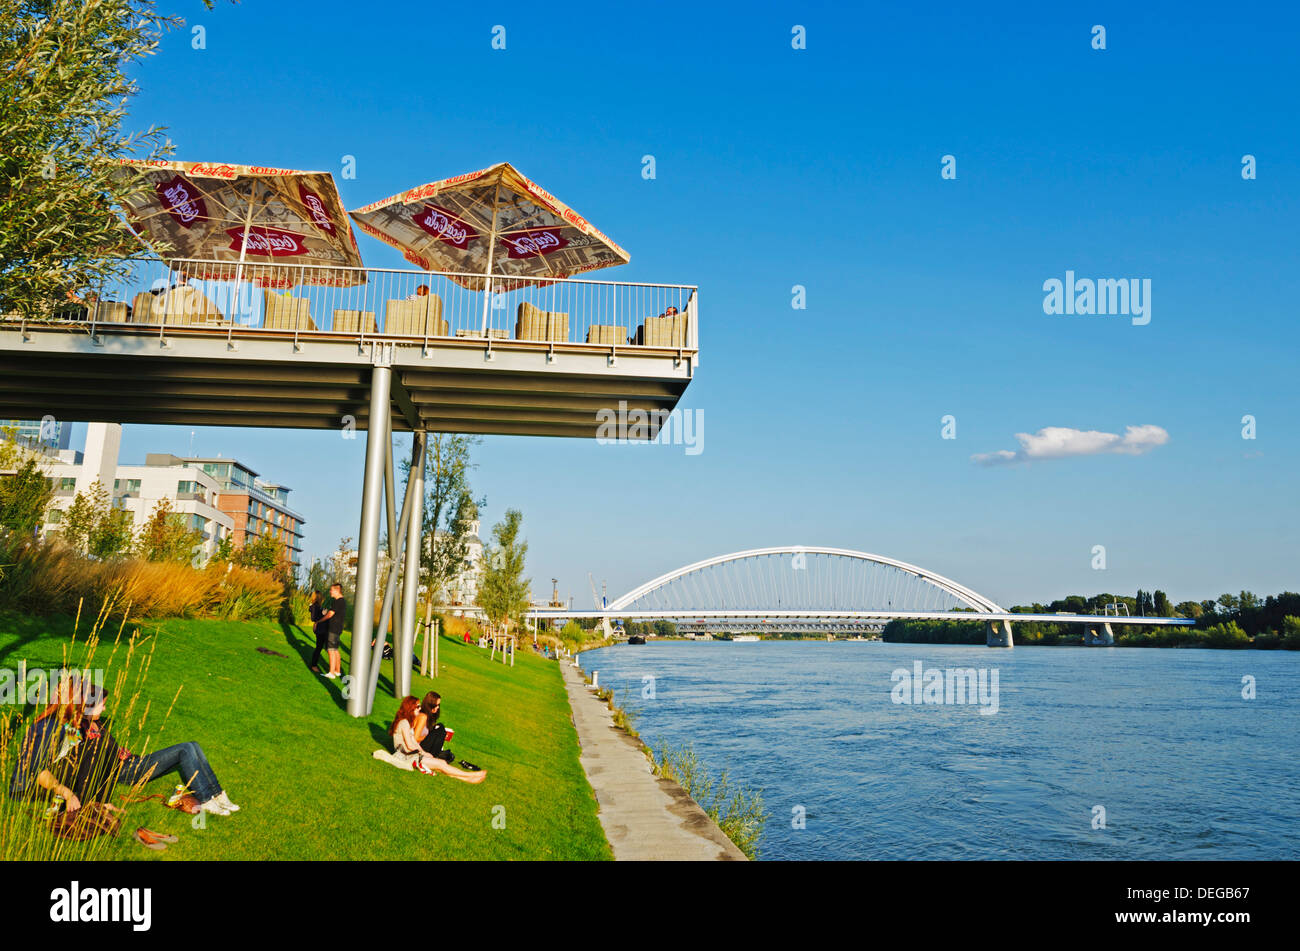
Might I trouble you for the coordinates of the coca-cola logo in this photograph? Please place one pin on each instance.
(445, 226)
(532, 243)
(182, 201)
(316, 209)
(214, 171)
(268, 242)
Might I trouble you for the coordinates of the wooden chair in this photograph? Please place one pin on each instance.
(607, 334)
(532, 323)
(354, 321)
(421, 317)
(285, 312)
(185, 306)
(663, 331)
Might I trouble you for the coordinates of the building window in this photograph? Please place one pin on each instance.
(55, 516)
(67, 485)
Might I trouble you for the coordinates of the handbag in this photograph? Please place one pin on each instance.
(89, 822)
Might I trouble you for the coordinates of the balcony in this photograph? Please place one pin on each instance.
(406, 306)
(208, 343)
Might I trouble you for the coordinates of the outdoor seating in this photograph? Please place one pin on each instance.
(663, 331)
(607, 334)
(421, 317)
(354, 321)
(532, 323)
(184, 306)
(110, 311)
(142, 308)
(284, 312)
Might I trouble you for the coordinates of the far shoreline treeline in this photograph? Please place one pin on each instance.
(1229, 621)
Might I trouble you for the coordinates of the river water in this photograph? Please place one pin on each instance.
(1162, 740)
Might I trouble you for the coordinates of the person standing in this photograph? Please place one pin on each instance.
(333, 619)
(319, 628)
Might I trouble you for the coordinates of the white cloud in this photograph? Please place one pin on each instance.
(1060, 442)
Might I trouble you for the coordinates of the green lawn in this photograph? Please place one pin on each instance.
(284, 747)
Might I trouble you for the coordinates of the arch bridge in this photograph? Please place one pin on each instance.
(813, 589)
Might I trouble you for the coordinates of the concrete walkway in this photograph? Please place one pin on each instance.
(645, 817)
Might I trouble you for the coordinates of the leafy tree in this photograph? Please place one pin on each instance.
(1189, 609)
(1161, 605)
(1228, 603)
(318, 577)
(449, 511)
(504, 591)
(64, 91)
(24, 497)
(167, 536)
(263, 553)
(93, 527)
(340, 563)
(225, 550)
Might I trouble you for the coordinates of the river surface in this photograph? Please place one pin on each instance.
(1162, 739)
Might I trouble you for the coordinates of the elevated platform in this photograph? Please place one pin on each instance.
(232, 376)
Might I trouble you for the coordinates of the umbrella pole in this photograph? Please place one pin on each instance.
(492, 246)
(239, 268)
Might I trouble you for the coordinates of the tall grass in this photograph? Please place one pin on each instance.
(25, 830)
(738, 810)
(48, 577)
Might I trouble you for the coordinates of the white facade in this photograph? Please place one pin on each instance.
(137, 488)
(463, 589)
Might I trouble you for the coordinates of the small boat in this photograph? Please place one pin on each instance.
(745, 638)
(636, 639)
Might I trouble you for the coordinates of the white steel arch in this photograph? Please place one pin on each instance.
(980, 603)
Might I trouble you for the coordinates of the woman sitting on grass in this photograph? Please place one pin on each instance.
(68, 738)
(406, 748)
(432, 734)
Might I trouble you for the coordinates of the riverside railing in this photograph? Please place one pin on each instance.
(195, 296)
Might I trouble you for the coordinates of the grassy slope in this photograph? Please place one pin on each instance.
(281, 742)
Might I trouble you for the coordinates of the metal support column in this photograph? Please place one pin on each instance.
(405, 647)
(372, 491)
(388, 610)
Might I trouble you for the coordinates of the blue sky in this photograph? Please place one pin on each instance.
(821, 167)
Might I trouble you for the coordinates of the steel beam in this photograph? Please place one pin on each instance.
(372, 491)
(405, 647)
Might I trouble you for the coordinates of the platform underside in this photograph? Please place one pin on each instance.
(322, 381)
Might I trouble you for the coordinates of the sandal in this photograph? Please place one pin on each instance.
(153, 840)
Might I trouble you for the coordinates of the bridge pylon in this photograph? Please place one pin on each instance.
(998, 634)
(1099, 638)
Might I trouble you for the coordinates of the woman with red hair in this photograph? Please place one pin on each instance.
(407, 750)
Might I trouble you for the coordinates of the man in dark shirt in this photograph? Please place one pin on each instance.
(333, 617)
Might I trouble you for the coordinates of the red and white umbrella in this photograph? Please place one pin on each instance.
(245, 215)
(494, 222)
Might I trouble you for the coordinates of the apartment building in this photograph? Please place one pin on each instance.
(220, 498)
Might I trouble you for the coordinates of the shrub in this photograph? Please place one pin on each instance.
(50, 577)
(1226, 635)
(737, 810)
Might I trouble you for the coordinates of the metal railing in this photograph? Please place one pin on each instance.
(224, 297)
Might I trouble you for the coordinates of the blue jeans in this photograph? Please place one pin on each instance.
(185, 758)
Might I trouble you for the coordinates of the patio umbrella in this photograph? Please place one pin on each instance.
(494, 222)
(245, 214)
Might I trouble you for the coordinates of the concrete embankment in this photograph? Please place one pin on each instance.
(645, 817)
